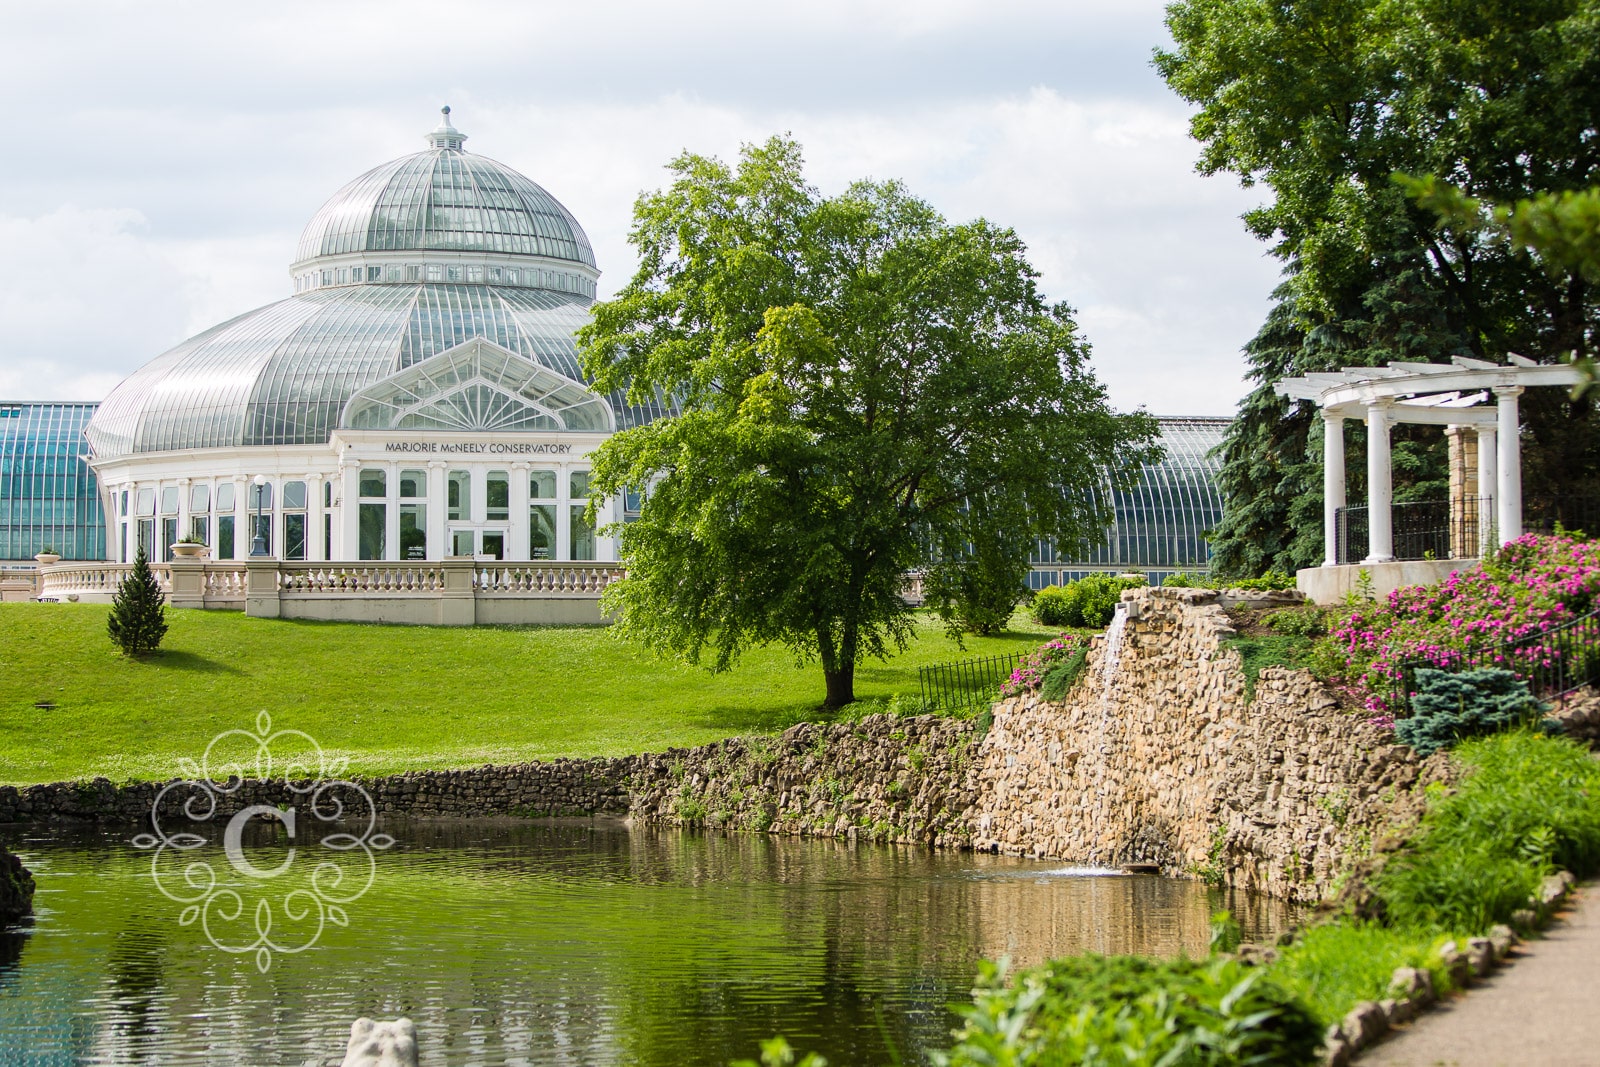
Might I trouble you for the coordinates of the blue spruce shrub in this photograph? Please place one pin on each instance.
(1452, 706)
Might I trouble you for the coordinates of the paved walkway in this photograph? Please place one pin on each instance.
(1542, 1009)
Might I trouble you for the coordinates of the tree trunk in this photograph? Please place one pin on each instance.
(841, 687)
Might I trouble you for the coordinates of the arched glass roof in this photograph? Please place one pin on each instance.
(1161, 523)
(282, 374)
(444, 199)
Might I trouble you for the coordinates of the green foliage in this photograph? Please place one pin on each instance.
(1309, 621)
(1256, 653)
(1065, 674)
(1450, 706)
(978, 591)
(863, 389)
(1088, 602)
(138, 622)
(1321, 104)
(1332, 966)
(1530, 805)
(1272, 581)
(1124, 1010)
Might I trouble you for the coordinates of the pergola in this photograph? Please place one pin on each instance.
(1449, 395)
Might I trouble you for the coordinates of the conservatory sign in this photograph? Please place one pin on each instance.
(480, 448)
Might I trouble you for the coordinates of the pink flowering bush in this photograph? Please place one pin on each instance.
(1534, 583)
(1034, 666)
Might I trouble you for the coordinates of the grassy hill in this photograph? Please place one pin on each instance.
(392, 698)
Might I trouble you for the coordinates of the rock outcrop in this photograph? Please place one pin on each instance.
(16, 889)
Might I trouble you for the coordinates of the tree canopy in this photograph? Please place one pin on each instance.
(862, 389)
(1320, 102)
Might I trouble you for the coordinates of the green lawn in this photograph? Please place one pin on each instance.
(392, 698)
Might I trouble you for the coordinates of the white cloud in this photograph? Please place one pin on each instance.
(196, 142)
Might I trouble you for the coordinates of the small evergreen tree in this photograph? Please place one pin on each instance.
(1450, 707)
(138, 614)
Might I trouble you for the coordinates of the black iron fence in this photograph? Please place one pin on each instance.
(963, 684)
(1423, 529)
(1544, 514)
(1553, 662)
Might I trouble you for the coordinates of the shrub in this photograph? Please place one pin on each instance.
(1035, 667)
(1530, 804)
(1088, 602)
(137, 622)
(1128, 1010)
(1307, 621)
(1530, 585)
(1272, 580)
(1449, 707)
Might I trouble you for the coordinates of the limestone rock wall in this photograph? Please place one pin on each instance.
(1169, 765)
(880, 779)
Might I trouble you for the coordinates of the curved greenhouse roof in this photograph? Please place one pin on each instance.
(444, 199)
(413, 259)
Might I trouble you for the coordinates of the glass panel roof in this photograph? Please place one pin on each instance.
(282, 374)
(444, 200)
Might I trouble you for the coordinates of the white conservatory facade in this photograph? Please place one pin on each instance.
(418, 397)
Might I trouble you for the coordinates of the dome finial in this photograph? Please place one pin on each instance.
(445, 135)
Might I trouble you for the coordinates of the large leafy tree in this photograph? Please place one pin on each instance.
(863, 389)
(1321, 102)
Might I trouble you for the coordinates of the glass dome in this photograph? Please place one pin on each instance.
(444, 199)
(406, 263)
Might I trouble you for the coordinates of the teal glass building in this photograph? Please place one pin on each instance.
(49, 498)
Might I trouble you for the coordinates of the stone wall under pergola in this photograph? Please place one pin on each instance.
(1448, 395)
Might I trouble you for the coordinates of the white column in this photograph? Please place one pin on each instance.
(1380, 488)
(563, 547)
(1333, 487)
(348, 525)
(518, 534)
(438, 505)
(1508, 487)
(314, 513)
(1488, 487)
(184, 513)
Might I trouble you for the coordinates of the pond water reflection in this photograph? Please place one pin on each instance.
(535, 943)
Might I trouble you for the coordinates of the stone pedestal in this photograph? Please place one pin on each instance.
(189, 583)
(261, 589)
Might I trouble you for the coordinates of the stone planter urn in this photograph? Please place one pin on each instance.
(47, 559)
(189, 550)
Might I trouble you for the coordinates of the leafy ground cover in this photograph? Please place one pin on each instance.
(392, 698)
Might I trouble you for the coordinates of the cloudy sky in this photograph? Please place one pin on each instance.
(162, 157)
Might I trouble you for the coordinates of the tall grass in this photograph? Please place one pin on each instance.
(1528, 805)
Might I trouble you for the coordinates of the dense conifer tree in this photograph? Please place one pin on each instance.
(137, 622)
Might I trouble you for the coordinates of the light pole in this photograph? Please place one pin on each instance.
(258, 543)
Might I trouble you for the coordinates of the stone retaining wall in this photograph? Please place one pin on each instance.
(1169, 765)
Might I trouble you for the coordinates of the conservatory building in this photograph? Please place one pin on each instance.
(418, 397)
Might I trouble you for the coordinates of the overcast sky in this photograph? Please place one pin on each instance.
(162, 157)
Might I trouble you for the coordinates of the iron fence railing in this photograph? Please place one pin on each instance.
(963, 684)
(1543, 514)
(1423, 529)
(1553, 662)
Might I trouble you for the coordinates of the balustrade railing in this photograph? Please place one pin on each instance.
(337, 579)
(559, 579)
(62, 580)
(1422, 529)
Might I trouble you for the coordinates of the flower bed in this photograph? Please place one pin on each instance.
(1533, 584)
(1034, 667)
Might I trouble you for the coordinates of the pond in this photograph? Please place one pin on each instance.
(571, 943)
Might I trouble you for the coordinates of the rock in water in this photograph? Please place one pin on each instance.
(375, 1044)
(16, 889)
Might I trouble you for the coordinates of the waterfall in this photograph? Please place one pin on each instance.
(1111, 654)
